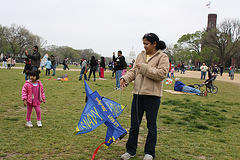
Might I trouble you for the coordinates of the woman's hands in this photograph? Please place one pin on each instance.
(123, 83)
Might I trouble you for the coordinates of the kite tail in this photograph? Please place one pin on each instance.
(94, 154)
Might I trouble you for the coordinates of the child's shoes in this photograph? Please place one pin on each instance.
(29, 124)
(39, 123)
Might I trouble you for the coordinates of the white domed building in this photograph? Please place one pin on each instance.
(131, 56)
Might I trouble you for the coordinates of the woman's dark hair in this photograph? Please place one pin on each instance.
(35, 73)
(93, 61)
(27, 59)
(151, 37)
(102, 58)
(93, 58)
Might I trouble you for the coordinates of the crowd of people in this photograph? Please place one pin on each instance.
(214, 69)
(118, 67)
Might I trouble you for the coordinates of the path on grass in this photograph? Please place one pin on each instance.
(190, 74)
(197, 74)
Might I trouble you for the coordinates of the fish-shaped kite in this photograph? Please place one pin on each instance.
(99, 110)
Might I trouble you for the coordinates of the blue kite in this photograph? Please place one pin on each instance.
(99, 110)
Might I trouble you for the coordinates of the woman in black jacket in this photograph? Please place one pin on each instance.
(93, 67)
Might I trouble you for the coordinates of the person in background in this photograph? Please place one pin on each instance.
(150, 69)
(132, 64)
(182, 68)
(64, 64)
(93, 67)
(102, 67)
(215, 69)
(118, 66)
(170, 67)
(34, 58)
(181, 87)
(221, 69)
(113, 69)
(203, 69)
(98, 68)
(9, 62)
(4, 62)
(54, 64)
(231, 70)
(27, 69)
(110, 65)
(32, 96)
(83, 69)
(13, 62)
(124, 68)
(178, 66)
(48, 65)
(172, 72)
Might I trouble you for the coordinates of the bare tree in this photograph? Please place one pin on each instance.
(18, 38)
(225, 40)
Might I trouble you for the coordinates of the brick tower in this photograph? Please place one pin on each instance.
(212, 21)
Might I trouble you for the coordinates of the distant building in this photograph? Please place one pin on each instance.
(131, 56)
(212, 21)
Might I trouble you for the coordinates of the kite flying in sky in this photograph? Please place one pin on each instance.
(99, 110)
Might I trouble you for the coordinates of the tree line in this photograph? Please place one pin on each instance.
(218, 45)
(16, 39)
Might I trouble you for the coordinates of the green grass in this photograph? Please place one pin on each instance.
(189, 127)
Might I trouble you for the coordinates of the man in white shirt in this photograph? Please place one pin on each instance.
(203, 69)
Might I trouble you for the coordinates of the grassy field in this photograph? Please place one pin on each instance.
(189, 126)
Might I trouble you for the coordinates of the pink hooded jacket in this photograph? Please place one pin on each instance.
(27, 92)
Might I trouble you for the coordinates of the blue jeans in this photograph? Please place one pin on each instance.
(54, 69)
(118, 76)
(182, 71)
(141, 103)
(27, 77)
(203, 75)
(188, 89)
(82, 73)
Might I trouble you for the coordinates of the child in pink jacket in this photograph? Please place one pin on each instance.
(32, 96)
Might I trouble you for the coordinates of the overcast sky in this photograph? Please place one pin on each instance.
(107, 26)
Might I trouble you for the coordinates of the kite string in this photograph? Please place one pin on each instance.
(119, 96)
(109, 93)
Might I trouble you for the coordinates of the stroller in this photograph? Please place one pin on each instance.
(210, 87)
